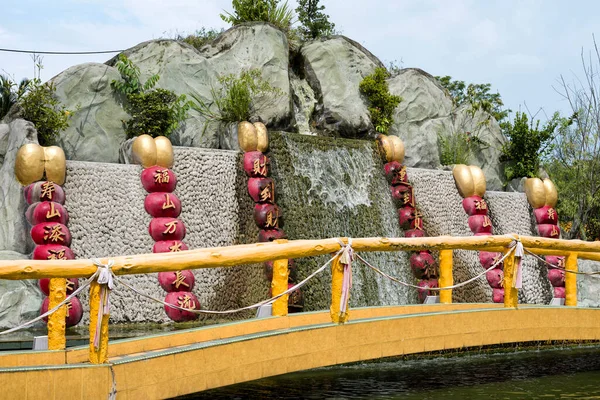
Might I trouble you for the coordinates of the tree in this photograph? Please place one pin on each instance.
(575, 168)
(314, 22)
(381, 102)
(527, 144)
(478, 95)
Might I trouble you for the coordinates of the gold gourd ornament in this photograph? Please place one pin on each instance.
(397, 146)
(30, 164)
(551, 193)
(535, 192)
(55, 164)
(463, 180)
(247, 137)
(164, 152)
(262, 137)
(144, 151)
(478, 180)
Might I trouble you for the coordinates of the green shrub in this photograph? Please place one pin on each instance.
(458, 147)
(11, 93)
(40, 107)
(314, 23)
(527, 145)
(381, 103)
(271, 11)
(200, 38)
(239, 98)
(156, 112)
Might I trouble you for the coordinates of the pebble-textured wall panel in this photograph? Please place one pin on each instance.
(106, 206)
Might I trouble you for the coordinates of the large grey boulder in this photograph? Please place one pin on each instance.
(96, 127)
(14, 229)
(20, 301)
(427, 111)
(334, 68)
(420, 116)
(185, 70)
(96, 130)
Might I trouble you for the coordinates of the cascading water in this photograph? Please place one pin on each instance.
(335, 188)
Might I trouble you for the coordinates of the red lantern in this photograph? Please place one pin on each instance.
(556, 277)
(556, 261)
(483, 234)
(268, 235)
(169, 246)
(487, 259)
(546, 215)
(498, 295)
(262, 190)
(295, 299)
(51, 233)
(44, 191)
(559, 292)
(256, 164)
(267, 216)
(395, 173)
(46, 211)
(166, 229)
(480, 224)
(186, 300)
(403, 195)
(495, 278)
(413, 233)
(74, 311)
(269, 270)
(549, 231)
(406, 216)
(52, 252)
(423, 265)
(424, 286)
(158, 179)
(177, 281)
(475, 205)
(44, 284)
(162, 204)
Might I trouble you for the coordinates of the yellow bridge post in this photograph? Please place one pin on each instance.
(98, 355)
(571, 280)
(57, 320)
(446, 278)
(337, 282)
(511, 294)
(279, 284)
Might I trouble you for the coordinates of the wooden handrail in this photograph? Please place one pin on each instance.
(260, 252)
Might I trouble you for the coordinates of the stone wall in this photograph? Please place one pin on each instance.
(107, 218)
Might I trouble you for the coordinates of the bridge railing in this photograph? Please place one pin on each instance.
(280, 251)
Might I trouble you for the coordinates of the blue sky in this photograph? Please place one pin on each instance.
(521, 47)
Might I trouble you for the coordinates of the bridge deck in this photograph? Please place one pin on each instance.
(178, 363)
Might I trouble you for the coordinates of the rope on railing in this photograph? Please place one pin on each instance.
(261, 303)
(53, 310)
(436, 289)
(594, 273)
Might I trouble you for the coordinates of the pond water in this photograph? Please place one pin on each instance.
(556, 373)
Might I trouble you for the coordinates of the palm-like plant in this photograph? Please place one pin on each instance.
(11, 93)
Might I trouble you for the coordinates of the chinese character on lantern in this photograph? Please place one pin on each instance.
(259, 166)
(180, 280)
(56, 255)
(267, 194)
(551, 214)
(186, 301)
(171, 227)
(487, 221)
(168, 202)
(47, 190)
(480, 205)
(52, 212)
(54, 233)
(554, 231)
(69, 306)
(175, 248)
(161, 176)
(272, 221)
(70, 285)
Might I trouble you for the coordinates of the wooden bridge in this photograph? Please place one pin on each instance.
(189, 361)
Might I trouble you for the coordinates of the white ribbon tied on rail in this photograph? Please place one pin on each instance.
(519, 253)
(106, 282)
(346, 260)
